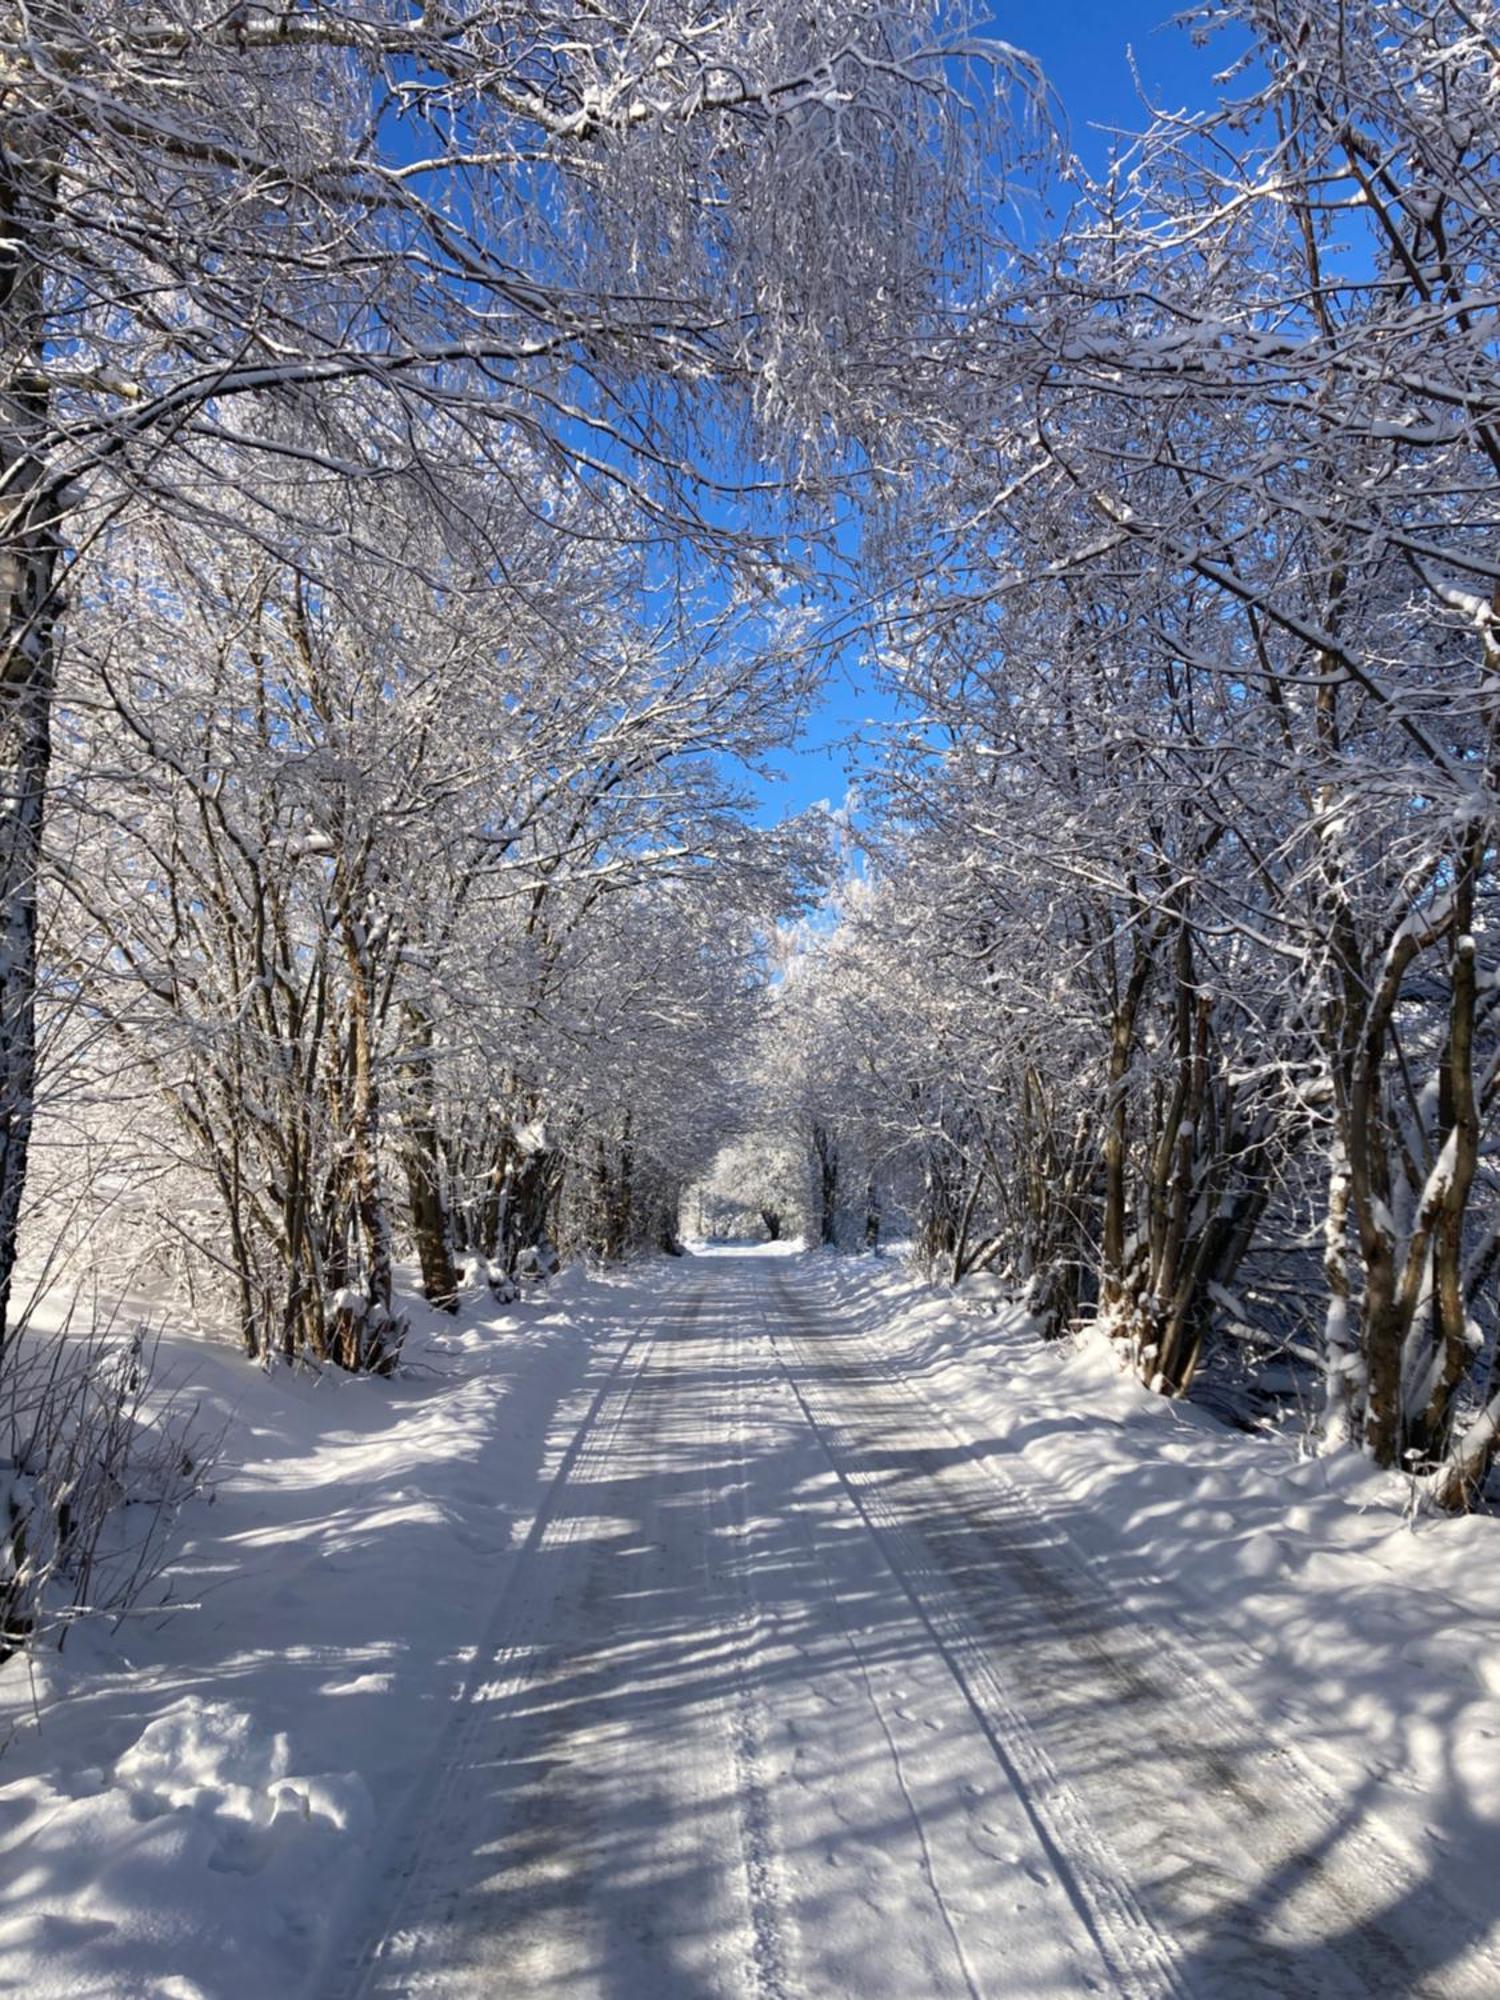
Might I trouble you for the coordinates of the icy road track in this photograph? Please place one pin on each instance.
(792, 1692)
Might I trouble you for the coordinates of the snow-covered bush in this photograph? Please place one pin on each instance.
(95, 1460)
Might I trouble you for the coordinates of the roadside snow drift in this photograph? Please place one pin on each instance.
(187, 1805)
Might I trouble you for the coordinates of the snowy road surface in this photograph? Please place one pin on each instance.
(794, 1691)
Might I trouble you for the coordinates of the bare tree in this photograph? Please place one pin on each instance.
(237, 242)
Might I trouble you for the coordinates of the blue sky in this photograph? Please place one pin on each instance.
(1099, 55)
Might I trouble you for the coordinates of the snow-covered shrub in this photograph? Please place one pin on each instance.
(93, 1466)
(537, 1262)
(484, 1271)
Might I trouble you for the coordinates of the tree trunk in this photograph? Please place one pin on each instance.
(1113, 1277)
(532, 1187)
(25, 749)
(429, 1214)
(377, 1341)
(937, 1236)
(826, 1170)
(1343, 1367)
(1429, 1423)
(30, 546)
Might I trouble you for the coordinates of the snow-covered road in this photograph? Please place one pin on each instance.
(793, 1690)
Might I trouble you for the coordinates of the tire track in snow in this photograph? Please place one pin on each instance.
(1227, 1763)
(1139, 1959)
(757, 1827)
(833, 1596)
(1377, 1864)
(415, 1854)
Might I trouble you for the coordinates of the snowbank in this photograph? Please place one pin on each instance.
(188, 1808)
(1370, 1634)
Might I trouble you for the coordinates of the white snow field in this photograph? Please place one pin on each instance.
(766, 1627)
